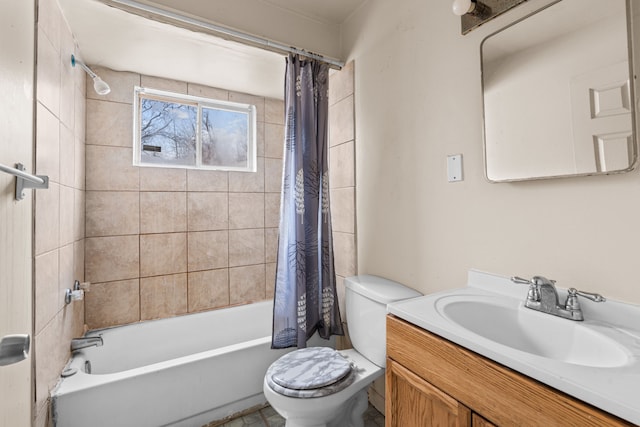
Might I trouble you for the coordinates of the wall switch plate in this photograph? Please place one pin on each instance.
(454, 167)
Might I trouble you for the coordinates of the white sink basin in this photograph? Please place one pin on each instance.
(537, 333)
(596, 360)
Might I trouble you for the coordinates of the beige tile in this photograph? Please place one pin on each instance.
(274, 111)
(79, 217)
(112, 213)
(163, 179)
(109, 123)
(67, 209)
(274, 140)
(163, 254)
(80, 121)
(121, 83)
(244, 98)
(272, 210)
(164, 212)
(260, 143)
(270, 278)
(78, 260)
(66, 273)
(67, 156)
(112, 258)
(163, 296)
(344, 250)
(47, 144)
(112, 303)
(49, 21)
(48, 74)
(342, 165)
(246, 210)
(111, 169)
(271, 244)
(208, 289)
(67, 81)
(340, 289)
(47, 295)
(343, 209)
(207, 211)
(341, 119)
(246, 284)
(248, 181)
(246, 247)
(50, 355)
(47, 212)
(207, 180)
(208, 250)
(341, 83)
(79, 164)
(208, 92)
(159, 83)
(272, 175)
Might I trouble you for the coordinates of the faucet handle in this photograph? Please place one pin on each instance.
(521, 281)
(534, 287)
(588, 295)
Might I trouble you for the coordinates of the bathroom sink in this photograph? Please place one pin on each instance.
(544, 335)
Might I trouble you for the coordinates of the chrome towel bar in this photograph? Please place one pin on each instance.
(25, 180)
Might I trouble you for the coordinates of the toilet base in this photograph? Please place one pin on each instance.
(351, 415)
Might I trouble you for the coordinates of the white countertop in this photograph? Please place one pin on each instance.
(613, 389)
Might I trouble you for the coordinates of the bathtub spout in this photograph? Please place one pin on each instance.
(84, 342)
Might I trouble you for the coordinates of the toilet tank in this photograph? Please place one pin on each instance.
(366, 299)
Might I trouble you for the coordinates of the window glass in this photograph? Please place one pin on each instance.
(174, 130)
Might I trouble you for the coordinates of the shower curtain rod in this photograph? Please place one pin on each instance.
(168, 17)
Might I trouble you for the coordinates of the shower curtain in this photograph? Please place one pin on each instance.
(305, 297)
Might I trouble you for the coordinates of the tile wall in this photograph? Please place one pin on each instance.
(163, 242)
(59, 210)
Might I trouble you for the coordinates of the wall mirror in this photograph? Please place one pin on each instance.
(557, 96)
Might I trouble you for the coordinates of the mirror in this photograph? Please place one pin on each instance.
(557, 94)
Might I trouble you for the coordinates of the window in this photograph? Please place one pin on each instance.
(182, 131)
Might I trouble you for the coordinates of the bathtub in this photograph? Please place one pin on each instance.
(183, 371)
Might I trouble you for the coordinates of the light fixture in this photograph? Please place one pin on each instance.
(474, 7)
(99, 85)
(474, 13)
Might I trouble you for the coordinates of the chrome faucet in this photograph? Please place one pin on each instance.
(84, 342)
(543, 296)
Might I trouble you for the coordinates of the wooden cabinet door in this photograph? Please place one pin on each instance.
(478, 421)
(413, 402)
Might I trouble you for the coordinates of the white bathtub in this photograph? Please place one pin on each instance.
(183, 371)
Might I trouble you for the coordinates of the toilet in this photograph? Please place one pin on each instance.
(320, 386)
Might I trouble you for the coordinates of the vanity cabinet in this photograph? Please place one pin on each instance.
(433, 382)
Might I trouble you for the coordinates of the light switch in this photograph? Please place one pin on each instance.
(454, 167)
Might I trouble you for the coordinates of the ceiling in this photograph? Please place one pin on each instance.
(112, 38)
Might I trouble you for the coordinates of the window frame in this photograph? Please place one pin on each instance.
(141, 93)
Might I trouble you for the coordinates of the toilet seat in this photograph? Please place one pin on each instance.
(310, 372)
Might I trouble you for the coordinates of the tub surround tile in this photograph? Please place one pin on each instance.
(78, 260)
(270, 280)
(208, 289)
(79, 173)
(272, 210)
(67, 81)
(246, 284)
(344, 246)
(48, 144)
(111, 213)
(272, 175)
(47, 221)
(46, 291)
(274, 111)
(67, 219)
(111, 169)
(50, 21)
(343, 207)
(208, 250)
(252, 182)
(162, 254)
(163, 212)
(162, 179)
(207, 211)
(159, 83)
(260, 139)
(113, 303)
(112, 258)
(207, 92)
(111, 123)
(205, 180)
(246, 210)
(271, 244)
(274, 140)
(341, 83)
(342, 165)
(244, 98)
(66, 276)
(163, 296)
(341, 116)
(67, 156)
(246, 247)
(79, 214)
(48, 73)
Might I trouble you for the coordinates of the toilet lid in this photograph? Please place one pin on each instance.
(310, 372)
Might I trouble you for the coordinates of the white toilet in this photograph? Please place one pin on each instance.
(319, 386)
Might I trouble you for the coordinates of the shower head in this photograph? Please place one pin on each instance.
(99, 85)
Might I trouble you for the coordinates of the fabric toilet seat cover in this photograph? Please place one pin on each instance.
(310, 372)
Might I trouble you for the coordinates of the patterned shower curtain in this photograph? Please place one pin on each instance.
(305, 297)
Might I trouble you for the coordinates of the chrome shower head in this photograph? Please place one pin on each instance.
(99, 85)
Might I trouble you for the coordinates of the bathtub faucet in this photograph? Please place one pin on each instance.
(84, 342)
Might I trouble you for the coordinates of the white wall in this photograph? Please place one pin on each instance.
(417, 99)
